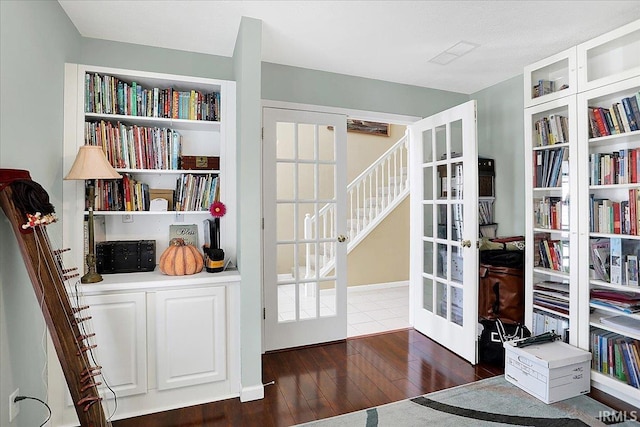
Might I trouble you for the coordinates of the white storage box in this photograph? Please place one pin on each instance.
(551, 371)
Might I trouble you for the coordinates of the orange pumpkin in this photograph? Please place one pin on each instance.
(181, 259)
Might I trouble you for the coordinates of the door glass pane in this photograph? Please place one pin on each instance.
(286, 303)
(284, 181)
(308, 260)
(442, 184)
(327, 298)
(326, 144)
(456, 305)
(285, 140)
(327, 181)
(427, 184)
(441, 299)
(456, 181)
(308, 221)
(285, 259)
(442, 221)
(285, 224)
(441, 142)
(442, 261)
(427, 146)
(306, 142)
(306, 181)
(428, 258)
(456, 221)
(456, 138)
(326, 227)
(427, 294)
(456, 264)
(307, 293)
(428, 220)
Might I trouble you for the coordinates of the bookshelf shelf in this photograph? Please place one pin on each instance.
(602, 179)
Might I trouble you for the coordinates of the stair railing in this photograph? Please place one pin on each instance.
(370, 198)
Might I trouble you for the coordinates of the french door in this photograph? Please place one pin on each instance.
(304, 209)
(444, 228)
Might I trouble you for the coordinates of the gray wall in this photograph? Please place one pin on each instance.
(36, 39)
(501, 137)
(292, 84)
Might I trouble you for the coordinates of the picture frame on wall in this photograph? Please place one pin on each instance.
(370, 128)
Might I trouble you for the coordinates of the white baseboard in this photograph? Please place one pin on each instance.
(255, 392)
(377, 286)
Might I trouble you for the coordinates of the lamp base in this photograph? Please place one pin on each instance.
(91, 277)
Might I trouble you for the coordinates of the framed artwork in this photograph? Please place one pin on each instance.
(370, 128)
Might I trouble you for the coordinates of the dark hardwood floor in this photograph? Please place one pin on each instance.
(322, 381)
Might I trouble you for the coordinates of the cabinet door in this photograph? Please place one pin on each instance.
(191, 337)
(119, 322)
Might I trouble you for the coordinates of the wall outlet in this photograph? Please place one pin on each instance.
(14, 407)
(127, 218)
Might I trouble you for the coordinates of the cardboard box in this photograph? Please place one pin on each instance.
(551, 371)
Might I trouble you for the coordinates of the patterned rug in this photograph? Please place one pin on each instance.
(490, 402)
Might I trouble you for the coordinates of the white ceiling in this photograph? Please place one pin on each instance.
(385, 40)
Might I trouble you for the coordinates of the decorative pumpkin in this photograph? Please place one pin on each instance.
(181, 259)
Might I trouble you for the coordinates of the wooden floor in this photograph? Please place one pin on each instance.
(322, 381)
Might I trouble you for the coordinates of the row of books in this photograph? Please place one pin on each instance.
(624, 302)
(621, 117)
(613, 262)
(619, 167)
(548, 213)
(551, 130)
(546, 322)
(544, 87)
(485, 212)
(135, 147)
(549, 166)
(616, 355)
(552, 295)
(551, 254)
(617, 217)
(196, 192)
(124, 194)
(106, 94)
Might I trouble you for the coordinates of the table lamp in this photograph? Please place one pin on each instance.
(91, 164)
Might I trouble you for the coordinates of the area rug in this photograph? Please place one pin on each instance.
(489, 402)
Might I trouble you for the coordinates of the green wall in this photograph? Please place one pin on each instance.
(501, 137)
(36, 39)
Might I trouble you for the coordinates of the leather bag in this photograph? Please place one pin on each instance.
(501, 293)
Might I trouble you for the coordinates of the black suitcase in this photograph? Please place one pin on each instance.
(125, 256)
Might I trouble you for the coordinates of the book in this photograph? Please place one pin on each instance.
(616, 261)
(632, 270)
(600, 250)
(623, 323)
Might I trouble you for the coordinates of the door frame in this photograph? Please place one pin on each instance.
(360, 114)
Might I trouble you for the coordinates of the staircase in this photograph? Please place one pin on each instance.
(375, 193)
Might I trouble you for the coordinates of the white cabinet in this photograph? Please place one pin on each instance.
(552, 78)
(591, 213)
(162, 345)
(190, 336)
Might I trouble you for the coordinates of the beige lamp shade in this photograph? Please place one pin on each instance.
(91, 163)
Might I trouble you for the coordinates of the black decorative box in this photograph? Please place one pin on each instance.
(125, 256)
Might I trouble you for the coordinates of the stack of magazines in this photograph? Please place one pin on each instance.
(626, 302)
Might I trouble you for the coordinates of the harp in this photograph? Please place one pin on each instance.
(26, 205)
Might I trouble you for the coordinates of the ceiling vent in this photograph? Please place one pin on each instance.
(454, 52)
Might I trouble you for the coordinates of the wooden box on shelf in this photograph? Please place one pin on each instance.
(200, 162)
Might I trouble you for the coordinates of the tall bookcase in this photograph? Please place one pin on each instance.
(591, 208)
(164, 342)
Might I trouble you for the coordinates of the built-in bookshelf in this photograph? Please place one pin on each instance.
(583, 229)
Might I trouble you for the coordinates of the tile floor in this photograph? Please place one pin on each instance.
(370, 308)
(377, 308)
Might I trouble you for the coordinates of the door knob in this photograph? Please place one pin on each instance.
(342, 238)
(466, 243)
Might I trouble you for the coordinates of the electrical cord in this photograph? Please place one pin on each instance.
(19, 398)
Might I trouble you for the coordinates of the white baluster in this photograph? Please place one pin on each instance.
(307, 235)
